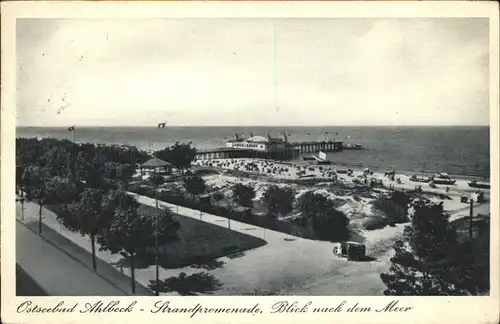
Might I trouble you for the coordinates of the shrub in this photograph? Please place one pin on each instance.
(243, 195)
(394, 213)
(375, 222)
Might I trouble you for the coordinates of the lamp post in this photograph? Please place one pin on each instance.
(157, 252)
(22, 208)
(471, 216)
(156, 179)
(21, 200)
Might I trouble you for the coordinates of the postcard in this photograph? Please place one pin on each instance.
(241, 162)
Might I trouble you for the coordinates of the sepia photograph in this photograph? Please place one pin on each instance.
(252, 156)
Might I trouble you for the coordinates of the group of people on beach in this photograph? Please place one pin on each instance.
(292, 170)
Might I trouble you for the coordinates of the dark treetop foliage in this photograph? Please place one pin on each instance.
(156, 180)
(243, 195)
(428, 257)
(319, 211)
(131, 231)
(36, 179)
(55, 153)
(195, 185)
(191, 285)
(395, 208)
(60, 190)
(87, 165)
(33, 177)
(180, 155)
(87, 215)
(278, 200)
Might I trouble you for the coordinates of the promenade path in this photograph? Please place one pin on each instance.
(61, 267)
(295, 265)
(287, 265)
(260, 232)
(290, 266)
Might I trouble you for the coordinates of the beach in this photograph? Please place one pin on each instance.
(410, 148)
(289, 264)
(280, 257)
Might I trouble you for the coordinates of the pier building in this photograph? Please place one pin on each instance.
(267, 147)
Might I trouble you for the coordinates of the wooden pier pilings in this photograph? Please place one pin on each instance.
(316, 146)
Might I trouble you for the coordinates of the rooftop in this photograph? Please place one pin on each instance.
(155, 162)
(257, 139)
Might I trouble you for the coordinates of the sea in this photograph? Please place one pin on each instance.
(457, 150)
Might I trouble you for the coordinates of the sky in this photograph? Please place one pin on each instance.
(231, 72)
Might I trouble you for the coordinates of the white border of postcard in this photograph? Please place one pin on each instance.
(424, 310)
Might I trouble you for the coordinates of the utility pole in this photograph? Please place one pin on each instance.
(21, 200)
(157, 290)
(22, 206)
(471, 217)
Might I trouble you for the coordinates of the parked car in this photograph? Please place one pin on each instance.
(353, 251)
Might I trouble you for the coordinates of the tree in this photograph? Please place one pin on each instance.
(218, 196)
(118, 171)
(57, 160)
(195, 185)
(60, 190)
(30, 179)
(191, 285)
(423, 255)
(278, 200)
(37, 178)
(243, 195)
(88, 217)
(122, 235)
(125, 172)
(393, 211)
(91, 170)
(180, 155)
(168, 226)
(319, 211)
(130, 232)
(110, 170)
(470, 269)
(19, 177)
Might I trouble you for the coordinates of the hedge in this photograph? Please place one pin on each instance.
(248, 218)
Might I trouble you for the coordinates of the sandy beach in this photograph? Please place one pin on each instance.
(265, 172)
(289, 264)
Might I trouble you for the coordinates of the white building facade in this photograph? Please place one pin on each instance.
(258, 143)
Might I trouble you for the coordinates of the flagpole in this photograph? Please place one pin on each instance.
(74, 135)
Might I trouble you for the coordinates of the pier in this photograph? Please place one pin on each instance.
(292, 150)
(316, 146)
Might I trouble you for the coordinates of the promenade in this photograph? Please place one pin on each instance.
(59, 266)
(286, 265)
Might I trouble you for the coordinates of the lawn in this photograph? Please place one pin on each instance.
(199, 243)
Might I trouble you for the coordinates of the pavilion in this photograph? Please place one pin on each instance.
(157, 165)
